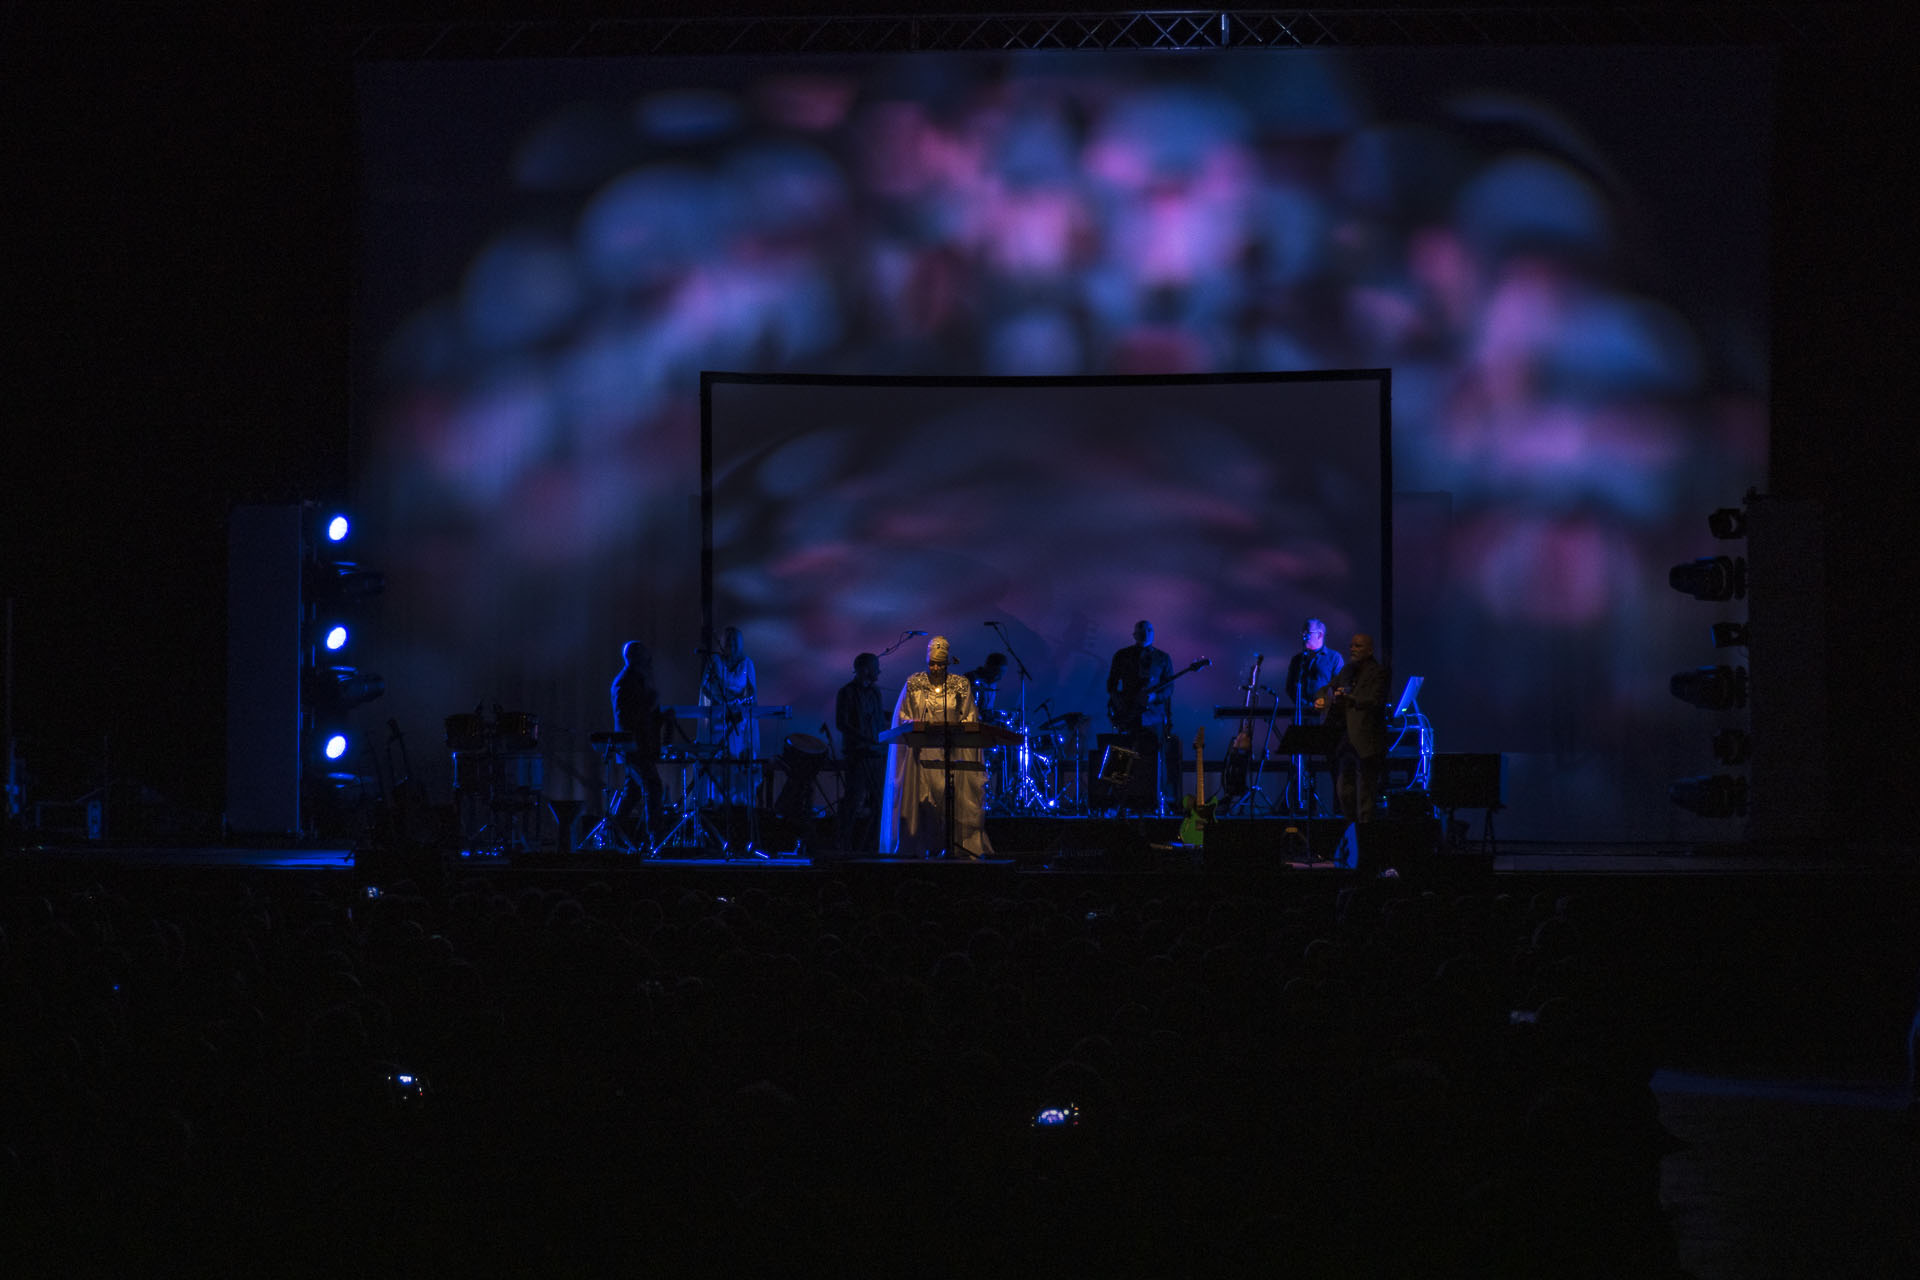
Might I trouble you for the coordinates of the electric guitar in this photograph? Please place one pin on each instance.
(1193, 827)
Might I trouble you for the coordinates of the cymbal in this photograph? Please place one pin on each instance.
(1065, 720)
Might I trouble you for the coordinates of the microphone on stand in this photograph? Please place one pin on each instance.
(916, 633)
(989, 624)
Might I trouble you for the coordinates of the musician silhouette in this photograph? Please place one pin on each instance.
(1140, 706)
(727, 690)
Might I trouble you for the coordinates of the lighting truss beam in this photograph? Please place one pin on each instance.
(1149, 29)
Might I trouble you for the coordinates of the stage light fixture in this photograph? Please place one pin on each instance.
(1732, 746)
(1711, 688)
(1711, 578)
(336, 746)
(338, 582)
(1728, 522)
(336, 638)
(1719, 795)
(337, 529)
(332, 690)
(1730, 635)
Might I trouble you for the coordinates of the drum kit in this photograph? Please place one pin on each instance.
(1040, 774)
(498, 776)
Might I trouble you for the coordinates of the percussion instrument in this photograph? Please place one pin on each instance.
(611, 742)
(517, 730)
(499, 771)
(466, 732)
(803, 756)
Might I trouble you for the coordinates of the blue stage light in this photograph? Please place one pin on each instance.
(336, 746)
(336, 637)
(337, 529)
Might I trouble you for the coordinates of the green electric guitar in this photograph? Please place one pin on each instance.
(1193, 827)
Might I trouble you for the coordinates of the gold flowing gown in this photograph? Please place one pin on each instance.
(913, 811)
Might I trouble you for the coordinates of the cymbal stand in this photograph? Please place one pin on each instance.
(1079, 766)
(510, 812)
(1028, 797)
(730, 718)
(749, 847)
(692, 829)
(1304, 799)
(828, 806)
(607, 834)
(1025, 796)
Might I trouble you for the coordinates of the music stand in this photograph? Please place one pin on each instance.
(1302, 741)
(948, 737)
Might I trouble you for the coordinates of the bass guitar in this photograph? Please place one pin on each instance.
(1193, 826)
(1126, 709)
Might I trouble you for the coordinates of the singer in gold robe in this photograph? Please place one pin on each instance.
(913, 813)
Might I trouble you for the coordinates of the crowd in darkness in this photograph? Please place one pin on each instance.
(520, 1073)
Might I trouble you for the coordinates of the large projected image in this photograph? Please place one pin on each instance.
(846, 513)
(1559, 255)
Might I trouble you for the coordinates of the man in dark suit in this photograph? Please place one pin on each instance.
(860, 717)
(1357, 702)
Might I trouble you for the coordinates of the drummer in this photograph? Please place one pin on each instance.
(860, 716)
(985, 680)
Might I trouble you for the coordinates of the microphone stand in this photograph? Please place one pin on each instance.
(1301, 791)
(1025, 758)
(1266, 747)
(946, 763)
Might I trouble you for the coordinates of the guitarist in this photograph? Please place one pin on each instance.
(1140, 705)
(1309, 676)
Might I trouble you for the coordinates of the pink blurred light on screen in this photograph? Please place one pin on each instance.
(1562, 573)
(809, 102)
(1034, 233)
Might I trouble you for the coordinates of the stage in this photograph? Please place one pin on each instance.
(1030, 847)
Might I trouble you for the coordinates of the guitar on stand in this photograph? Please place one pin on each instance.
(1235, 765)
(406, 818)
(1193, 827)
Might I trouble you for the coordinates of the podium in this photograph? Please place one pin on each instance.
(947, 738)
(967, 735)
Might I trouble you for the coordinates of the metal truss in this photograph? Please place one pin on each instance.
(1171, 30)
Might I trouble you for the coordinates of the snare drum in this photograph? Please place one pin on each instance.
(803, 756)
(466, 732)
(518, 731)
